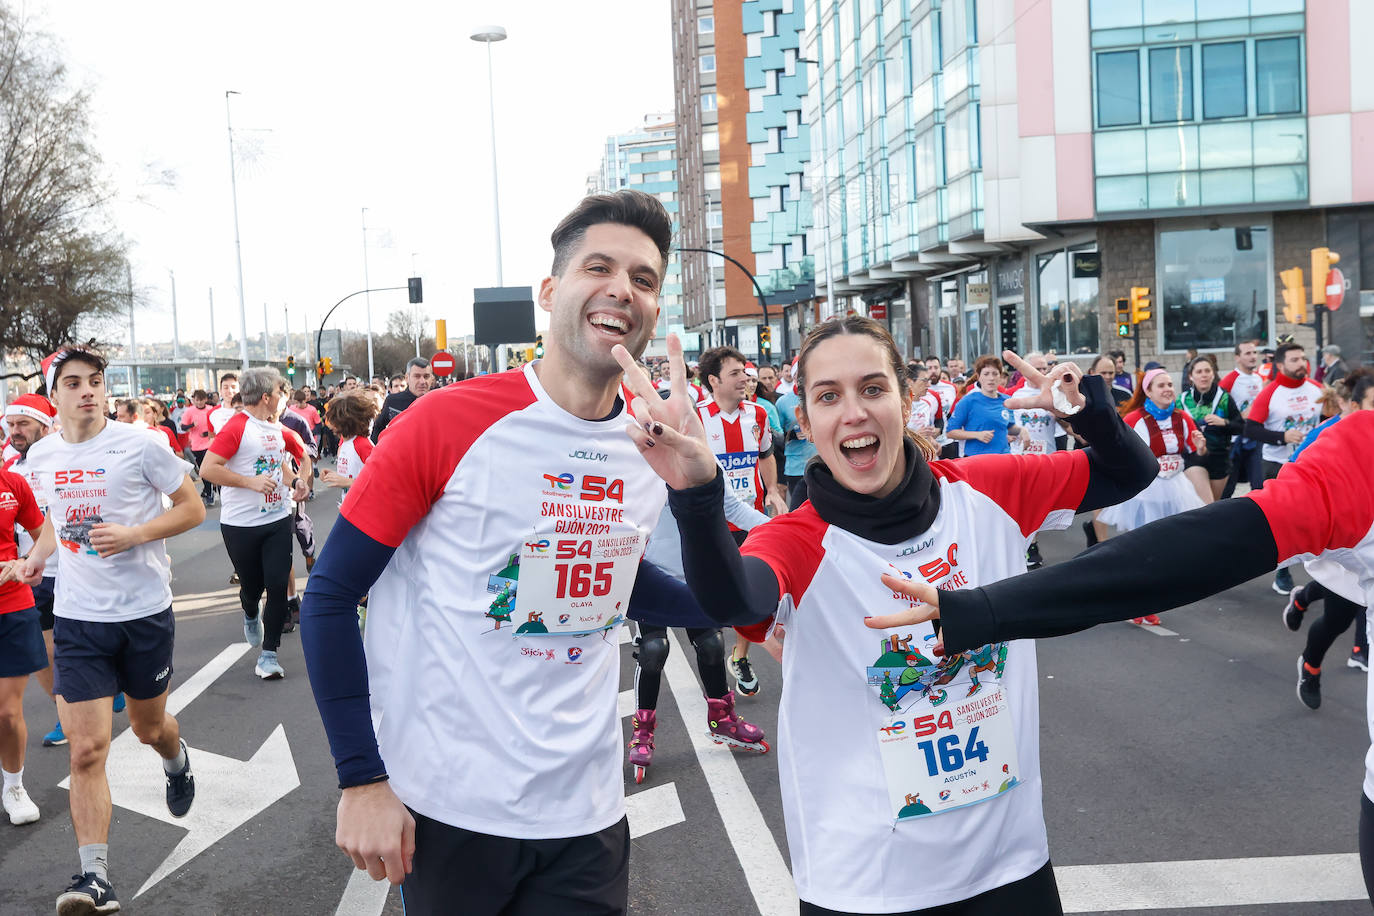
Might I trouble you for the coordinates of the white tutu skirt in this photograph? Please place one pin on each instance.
(1164, 497)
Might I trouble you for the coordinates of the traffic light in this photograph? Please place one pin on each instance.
(328, 365)
(766, 339)
(1123, 317)
(1322, 259)
(291, 365)
(1294, 296)
(1140, 304)
(539, 347)
(416, 290)
(319, 369)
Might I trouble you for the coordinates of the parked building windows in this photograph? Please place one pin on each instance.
(1215, 284)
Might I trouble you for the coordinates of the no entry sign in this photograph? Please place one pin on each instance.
(442, 363)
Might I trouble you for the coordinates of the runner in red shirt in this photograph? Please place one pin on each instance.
(22, 651)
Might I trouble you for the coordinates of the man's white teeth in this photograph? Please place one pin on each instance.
(609, 322)
(860, 442)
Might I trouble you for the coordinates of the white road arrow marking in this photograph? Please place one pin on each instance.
(653, 809)
(229, 792)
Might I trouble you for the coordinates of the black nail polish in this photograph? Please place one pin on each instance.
(658, 429)
(649, 443)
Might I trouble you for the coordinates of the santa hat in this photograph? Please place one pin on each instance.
(34, 406)
(50, 365)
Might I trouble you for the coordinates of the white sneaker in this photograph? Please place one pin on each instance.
(19, 806)
(268, 668)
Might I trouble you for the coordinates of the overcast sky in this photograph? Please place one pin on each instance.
(343, 106)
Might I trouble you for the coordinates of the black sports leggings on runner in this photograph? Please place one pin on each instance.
(653, 653)
(261, 555)
(1337, 615)
(1367, 843)
(1037, 894)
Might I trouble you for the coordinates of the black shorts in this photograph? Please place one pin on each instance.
(95, 660)
(21, 644)
(477, 873)
(1217, 464)
(42, 599)
(1037, 894)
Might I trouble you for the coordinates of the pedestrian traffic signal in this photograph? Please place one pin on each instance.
(291, 365)
(1140, 304)
(1294, 296)
(539, 347)
(1123, 317)
(766, 338)
(1322, 259)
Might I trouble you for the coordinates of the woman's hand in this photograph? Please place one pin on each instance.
(1066, 375)
(668, 433)
(927, 605)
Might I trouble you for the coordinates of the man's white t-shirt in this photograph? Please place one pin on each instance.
(219, 416)
(947, 395)
(21, 466)
(1038, 422)
(256, 448)
(118, 476)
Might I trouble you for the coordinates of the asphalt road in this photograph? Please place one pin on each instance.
(1170, 763)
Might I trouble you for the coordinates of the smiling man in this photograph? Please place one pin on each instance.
(497, 530)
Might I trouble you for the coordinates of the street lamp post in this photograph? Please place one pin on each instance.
(367, 284)
(488, 35)
(758, 290)
(238, 247)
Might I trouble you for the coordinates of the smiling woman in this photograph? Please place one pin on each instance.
(883, 734)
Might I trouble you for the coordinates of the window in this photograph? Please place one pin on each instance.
(706, 24)
(1066, 305)
(1278, 76)
(713, 219)
(710, 139)
(1118, 88)
(1171, 84)
(708, 63)
(1212, 292)
(1223, 80)
(708, 101)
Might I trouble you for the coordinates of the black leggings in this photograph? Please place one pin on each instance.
(205, 486)
(1337, 615)
(653, 652)
(1037, 894)
(261, 555)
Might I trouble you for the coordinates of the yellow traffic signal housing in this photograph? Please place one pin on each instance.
(1140, 304)
(766, 338)
(1322, 259)
(291, 365)
(328, 365)
(1294, 296)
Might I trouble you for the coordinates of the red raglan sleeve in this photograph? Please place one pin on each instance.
(293, 444)
(423, 446)
(1029, 488)
(791, 545)
(227, 441)
(1325, 501)
(363, 446)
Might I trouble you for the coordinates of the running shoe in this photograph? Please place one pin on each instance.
(119, 702)
(1293, 611)
(1283, 581)
(1152, 620)
(1309, 686)
(181, 787)
(89, 893)
(1090, 533)
(1033, 558)
(746, 682)
(309, 564)
(55, 738)
(268, 668)
(293, 614)
(1138, 621)
(252, 630)
(19, 806)
(1359, 658)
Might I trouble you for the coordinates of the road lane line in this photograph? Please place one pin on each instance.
(653, 809)
(363, 896)
(195, 685)
(1210, 883)
(767, 874)
(625, 703)
(1156, 629)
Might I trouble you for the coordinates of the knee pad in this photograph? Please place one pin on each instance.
(653, 652)
(710, 649)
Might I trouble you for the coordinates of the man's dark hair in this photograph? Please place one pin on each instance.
(1242, 343)
(1281, 353)
(713, 359)
(626, 207)
(1354, 386)
(398, 378)
(80, 354)
(1117, 354)
(418, 362)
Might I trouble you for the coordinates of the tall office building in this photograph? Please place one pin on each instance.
(743, 144)
(646, 159)
(998, 172)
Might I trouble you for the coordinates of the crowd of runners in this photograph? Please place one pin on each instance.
(788, 506)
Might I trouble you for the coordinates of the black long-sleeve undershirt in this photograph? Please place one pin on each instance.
(737, 590)
(1257, 431)
(1164, 565)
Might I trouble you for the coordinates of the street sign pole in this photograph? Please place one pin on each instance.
(1135, 338)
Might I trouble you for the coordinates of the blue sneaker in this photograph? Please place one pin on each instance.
(252, 630)
(119, 703)
(55, 738)
(88, 894)
(268, 668)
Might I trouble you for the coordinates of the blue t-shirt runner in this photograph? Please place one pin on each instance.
(977, 412)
